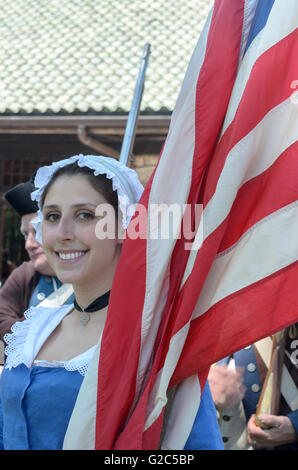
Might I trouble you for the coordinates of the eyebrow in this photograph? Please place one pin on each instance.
(54, 206)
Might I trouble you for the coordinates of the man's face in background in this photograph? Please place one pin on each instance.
(33, 248)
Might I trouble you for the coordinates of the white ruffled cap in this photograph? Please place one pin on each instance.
(124, 180)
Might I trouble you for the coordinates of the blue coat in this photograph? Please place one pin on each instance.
(246, 358)
(43, 289)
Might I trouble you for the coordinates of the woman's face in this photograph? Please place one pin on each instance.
(73, 250)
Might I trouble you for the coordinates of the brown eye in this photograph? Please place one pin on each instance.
(52, 217)
(86, 215)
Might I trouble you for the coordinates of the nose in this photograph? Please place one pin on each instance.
(65, 229)
(30, 243)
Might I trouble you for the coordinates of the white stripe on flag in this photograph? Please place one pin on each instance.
(249, 12)
(267, 247)
(158, 395)
(168, 188)
(257, 153)
(191, 76)
(182, 414)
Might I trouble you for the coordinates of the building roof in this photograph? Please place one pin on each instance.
(82, 56)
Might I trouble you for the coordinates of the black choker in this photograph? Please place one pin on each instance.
(97, 304)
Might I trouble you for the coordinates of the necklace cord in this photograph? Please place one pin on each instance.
(97, 304)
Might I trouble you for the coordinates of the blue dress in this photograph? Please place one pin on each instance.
(37, 401)
(37, 404)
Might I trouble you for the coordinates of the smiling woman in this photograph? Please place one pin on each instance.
(49, 353)
(69, 237)
(78, 257)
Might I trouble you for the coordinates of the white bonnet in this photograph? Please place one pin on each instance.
(124, 180)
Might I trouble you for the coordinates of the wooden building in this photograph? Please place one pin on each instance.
(68, 71)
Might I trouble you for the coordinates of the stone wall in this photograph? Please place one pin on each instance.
(144, 166)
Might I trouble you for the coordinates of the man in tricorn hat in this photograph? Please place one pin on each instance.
(33, 281)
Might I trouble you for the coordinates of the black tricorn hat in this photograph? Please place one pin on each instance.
(19, 198)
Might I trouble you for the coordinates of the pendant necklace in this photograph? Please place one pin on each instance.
(97, 304)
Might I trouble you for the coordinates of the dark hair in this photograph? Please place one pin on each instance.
(100, 183)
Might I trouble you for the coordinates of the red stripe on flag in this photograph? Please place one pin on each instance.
(263, 195)
(188, 296)
(211, 104)
(118, 364)
(219, 333)
(237, 129)
(133, 436)
(151, 437)
(212, 98)
(270, 81)
(213, 92)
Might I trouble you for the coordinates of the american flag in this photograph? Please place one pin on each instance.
(232, 147)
